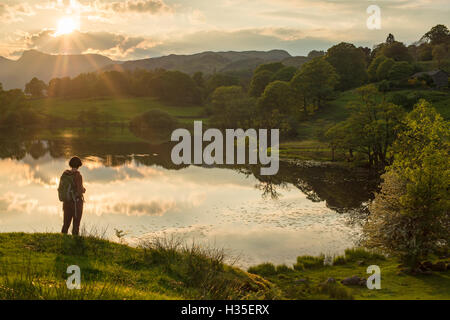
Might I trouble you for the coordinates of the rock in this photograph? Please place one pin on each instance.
(439, 266)
(301, 281)
(331, 280)
(426, 265)
(352, 281)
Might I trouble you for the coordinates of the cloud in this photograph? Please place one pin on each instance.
(15, 13)
(14, 202)
(114, 45)
(136, 6)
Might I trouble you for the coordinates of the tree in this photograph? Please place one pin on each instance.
(437, 35)
(35, 88)
(384, 68)
(397, 51)
(316, 53)
(177, 87)
(284, 74)
(372, 70)
(259, 82)
(400, 70)
(314, 83)
(232, 108)
(219, 80)
(350, 65)
(390, 38)
(440, 53)
(410, 216)
(425, 52)
(277, 95)
(371, 127)
(272, 67)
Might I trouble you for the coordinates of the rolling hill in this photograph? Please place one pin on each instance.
(16, 73)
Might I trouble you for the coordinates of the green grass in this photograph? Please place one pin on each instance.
(310, 281)
(33, 266)
(117, 109)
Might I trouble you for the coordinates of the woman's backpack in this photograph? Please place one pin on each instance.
(66, 188)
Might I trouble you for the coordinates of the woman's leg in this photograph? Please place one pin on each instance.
(77, 219)
(68, 209)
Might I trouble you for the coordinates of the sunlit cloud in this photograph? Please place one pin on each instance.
(12, 202)
(15, 13)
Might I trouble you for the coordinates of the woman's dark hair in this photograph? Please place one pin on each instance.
(75, 162)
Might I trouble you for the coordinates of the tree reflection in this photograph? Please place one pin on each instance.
(343, 189)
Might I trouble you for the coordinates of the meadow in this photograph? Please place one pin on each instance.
(33, 266)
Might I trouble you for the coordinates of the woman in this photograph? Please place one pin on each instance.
(73, 208)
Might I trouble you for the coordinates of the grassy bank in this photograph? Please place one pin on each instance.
(309, 278)
(33, 266)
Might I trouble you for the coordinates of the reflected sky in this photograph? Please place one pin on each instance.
(216, 206)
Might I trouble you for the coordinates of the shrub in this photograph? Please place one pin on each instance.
(282, 268)
(264, 269)
(336, 291)
(339, 260)
(309, 262)
(356, 254)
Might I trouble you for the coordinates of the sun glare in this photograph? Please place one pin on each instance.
(66, 25)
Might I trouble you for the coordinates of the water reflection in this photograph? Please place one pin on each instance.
(136, 188)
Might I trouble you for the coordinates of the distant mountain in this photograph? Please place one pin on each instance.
(15, 74)
(207, 62)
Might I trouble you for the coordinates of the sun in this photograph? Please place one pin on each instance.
(66, 25)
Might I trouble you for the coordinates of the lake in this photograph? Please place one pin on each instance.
(132, 186)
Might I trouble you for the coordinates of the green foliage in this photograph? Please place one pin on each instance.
(425, 52)
(277, 95)
(220, 80)
(309, 262)
(397, 51)
(264, 269)
(384, 68)
(410, 215)
(400, 70)
(178, 87)
(35, 88)
(350, 65)
(370, 129)
(440, 52)
(284, 74)
(358, 254)
(169, 86)
(336, 291)
(314, 83)
(35, 268)
(231, 108)
(372, 70)
(259, 82)
(273, 67)
(437, 35)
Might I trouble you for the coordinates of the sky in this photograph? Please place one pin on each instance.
(137, 29)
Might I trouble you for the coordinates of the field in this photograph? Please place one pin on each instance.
(119, 110)
(33, 266)
(310, 143)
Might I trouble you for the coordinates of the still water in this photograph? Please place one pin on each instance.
(304, 209)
